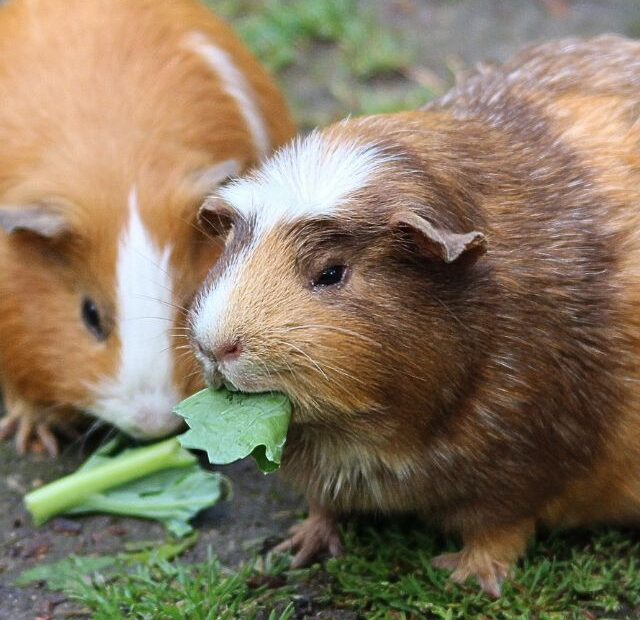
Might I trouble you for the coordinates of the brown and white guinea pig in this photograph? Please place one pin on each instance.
(451, 299)
(117, 118)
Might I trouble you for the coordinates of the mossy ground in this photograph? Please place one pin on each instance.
(385, 573)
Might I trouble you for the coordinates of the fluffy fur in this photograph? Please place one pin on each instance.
(112, 104)
(478, 363)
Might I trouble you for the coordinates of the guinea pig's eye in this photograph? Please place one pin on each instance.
(330, 276)
(92, 319)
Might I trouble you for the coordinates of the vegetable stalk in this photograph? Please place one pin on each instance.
(72, 490)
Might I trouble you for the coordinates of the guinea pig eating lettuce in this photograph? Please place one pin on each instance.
(117, 118)
(451, 299)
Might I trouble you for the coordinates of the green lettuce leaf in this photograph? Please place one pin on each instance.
(173, 497)
(229, 426)
(160, 481)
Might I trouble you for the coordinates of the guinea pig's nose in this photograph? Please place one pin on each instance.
(227, 351)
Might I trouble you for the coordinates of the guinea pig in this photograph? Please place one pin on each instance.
(118, 117)
(450, 299)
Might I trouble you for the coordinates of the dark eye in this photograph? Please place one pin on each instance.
(330, 276)
(92, 319)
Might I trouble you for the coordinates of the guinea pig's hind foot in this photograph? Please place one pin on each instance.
(488, 558)
(33, 428)
(489, 573)
(316, 534)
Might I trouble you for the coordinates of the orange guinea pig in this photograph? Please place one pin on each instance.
(450, 297)
(117, 118)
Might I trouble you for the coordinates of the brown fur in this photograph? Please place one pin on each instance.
(497, 391)
(96, 96)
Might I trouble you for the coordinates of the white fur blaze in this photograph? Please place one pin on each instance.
(312, 177)
(211, 306)
(140, 398)
(236, 86)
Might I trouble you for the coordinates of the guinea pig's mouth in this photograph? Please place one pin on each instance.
(213, 378)
(246, 382)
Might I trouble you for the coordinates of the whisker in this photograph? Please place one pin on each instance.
(95, 426)
(308, 357)
(214, 239)
(163, 301)
(159, 267)
(193, 374)
(342, 330)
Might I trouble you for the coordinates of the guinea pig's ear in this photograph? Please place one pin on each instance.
(207, 180)
(216, 215)
(441, 243)
(41, 219)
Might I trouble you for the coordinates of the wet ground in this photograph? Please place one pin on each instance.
(445, 37)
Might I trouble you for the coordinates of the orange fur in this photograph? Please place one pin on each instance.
(97, 97)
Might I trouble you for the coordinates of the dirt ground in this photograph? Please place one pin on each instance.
(262, 508)
(446, 36)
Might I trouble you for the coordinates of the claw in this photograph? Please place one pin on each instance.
(23, 434)
(488, 556)
(47, 439)
(34, 429)
(446, 561)
(8, 427)
(314, 535)
(488, 572)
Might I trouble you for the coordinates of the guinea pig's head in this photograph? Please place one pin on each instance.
(96, 277)
(350, 265)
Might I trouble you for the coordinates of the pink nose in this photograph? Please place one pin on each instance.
(227, 351)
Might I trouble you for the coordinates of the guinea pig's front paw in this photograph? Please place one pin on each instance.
(33, 428)
(316, 534)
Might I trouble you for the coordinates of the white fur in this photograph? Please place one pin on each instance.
(209, 308)
(236, 85)
(312, 177)
(206, 180)
(141, 396)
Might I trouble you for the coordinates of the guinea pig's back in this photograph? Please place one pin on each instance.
(581, 96)
(569, 113)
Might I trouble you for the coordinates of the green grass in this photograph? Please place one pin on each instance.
(564, 576)
(386, 573)
(162, 590)
(278, 30)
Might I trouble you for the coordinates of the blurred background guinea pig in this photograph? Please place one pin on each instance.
(117, 117)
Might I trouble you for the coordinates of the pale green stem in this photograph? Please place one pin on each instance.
(67, 492)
